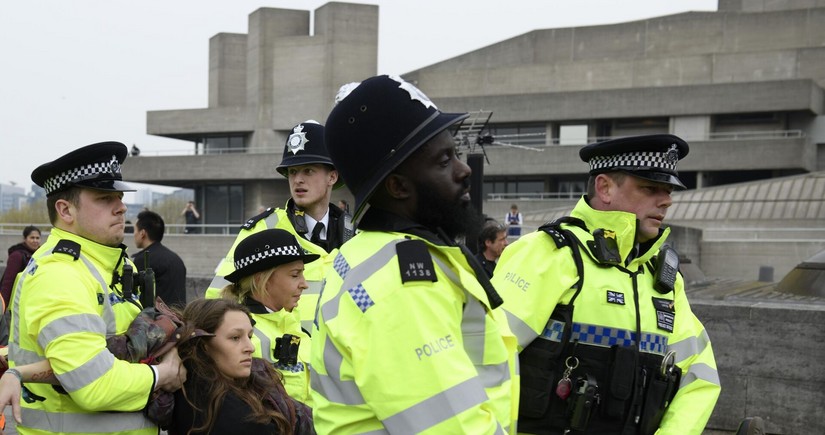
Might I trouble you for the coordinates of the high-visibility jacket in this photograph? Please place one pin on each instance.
(287, 219)
(269, 326)
(406, 342)
(534, 275)
(63, 307)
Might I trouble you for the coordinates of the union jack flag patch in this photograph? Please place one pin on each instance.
(615, 297)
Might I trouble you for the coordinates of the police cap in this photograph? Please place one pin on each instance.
(95, 166)
(652, 157)
(305, 146)
(265, 250)
(375, 127)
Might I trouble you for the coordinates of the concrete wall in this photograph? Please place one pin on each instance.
(769, 357)
(742, 259)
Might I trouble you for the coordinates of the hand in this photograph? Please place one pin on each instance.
(171, 372)
(10, 390)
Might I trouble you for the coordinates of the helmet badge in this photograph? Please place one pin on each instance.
(297, 139)
(415, 93)
(672, 155)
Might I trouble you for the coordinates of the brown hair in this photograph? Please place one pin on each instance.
(71, 194)
(249, 286)
(208, 315)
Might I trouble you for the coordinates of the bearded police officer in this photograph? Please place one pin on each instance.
(406, 339)
(611, 345)
(319, 226)
(75, 293)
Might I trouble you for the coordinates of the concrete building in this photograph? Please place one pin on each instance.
(749, 100)
(261, 84)
(11, 197)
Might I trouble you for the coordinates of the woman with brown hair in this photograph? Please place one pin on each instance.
(229, 391)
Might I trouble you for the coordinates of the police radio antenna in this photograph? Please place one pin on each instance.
(475, 132)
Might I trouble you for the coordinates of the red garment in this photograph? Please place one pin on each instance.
(19, 256)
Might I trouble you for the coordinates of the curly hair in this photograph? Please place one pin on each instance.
(207, 315)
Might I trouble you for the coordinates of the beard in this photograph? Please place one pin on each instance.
(453, 215)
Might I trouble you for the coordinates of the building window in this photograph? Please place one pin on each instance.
(573, 134)
(519, 134)
(224, 144)
(222, 205)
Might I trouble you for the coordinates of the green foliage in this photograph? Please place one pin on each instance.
(29, 214)
(169, 209)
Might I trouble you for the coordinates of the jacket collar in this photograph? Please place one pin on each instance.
(624, 225)
(105, 256)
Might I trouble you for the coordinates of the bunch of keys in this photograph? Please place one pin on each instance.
(565, 385)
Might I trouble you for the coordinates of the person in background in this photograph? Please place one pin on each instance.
(230, 391)
(71, 297)
(17, 260)
(320, 227)
(19, 256)
(343, 205)
(268, 280)
(491, 243)
(408, 337)
(191, 215)
(169, 269)
(599, 306)
(514, 220)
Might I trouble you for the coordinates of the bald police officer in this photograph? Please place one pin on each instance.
(611, 345)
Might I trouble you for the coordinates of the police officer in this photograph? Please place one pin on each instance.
(268, 276)
(406, 339)
(72, 296)
(611, 345)
(319, 225)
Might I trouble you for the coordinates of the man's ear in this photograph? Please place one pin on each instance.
(398, 186)
(605, 187)
(333, 177)
(66, 211)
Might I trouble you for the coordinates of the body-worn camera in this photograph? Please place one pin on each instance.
(605, 248)
(286, 349)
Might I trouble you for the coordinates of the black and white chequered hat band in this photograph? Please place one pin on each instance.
(636, 160)
(81, 173)
(288, 251)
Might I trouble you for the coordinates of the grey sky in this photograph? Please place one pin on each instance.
(82, 71)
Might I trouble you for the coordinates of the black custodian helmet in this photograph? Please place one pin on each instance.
(305, 146)
(375, 127)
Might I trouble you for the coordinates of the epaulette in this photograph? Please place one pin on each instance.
(555, 234)
(414, 261)
(255, 219)
(67, 247)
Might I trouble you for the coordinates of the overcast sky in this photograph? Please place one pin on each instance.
(75, 72)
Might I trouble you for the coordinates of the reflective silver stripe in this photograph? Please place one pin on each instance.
(436, 409)
(108, 314)
(87, 373)
(271, 220)
(523, 332)
(14, 347)
(23, 356)
(331, 385)
(375, 432)
(98, 422)
(70, 325)
(306, 325)
(266, 349)
(353, 277)
(492, 376)
(219, 282)
(700, 371)
(314, 287)
(473, 329)
(690, 346)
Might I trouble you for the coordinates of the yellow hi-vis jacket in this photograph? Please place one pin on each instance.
(406, 343)
(313, 272)
(533, 276)
(63, 309)
(269, 325)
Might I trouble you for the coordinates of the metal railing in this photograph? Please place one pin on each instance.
(534, 196)
(763, 234)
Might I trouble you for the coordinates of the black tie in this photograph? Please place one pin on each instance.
(316, 234)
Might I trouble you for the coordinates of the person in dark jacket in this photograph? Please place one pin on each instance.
(491, 243)
(169, 269)
(230, 391)
(19, 256)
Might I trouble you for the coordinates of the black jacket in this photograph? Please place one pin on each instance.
(170, 272)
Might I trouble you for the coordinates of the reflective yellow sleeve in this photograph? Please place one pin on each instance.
(699, 389)
(62, 311)
(532, 276)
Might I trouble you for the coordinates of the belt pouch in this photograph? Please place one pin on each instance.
(654, 405)
(623, 361)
